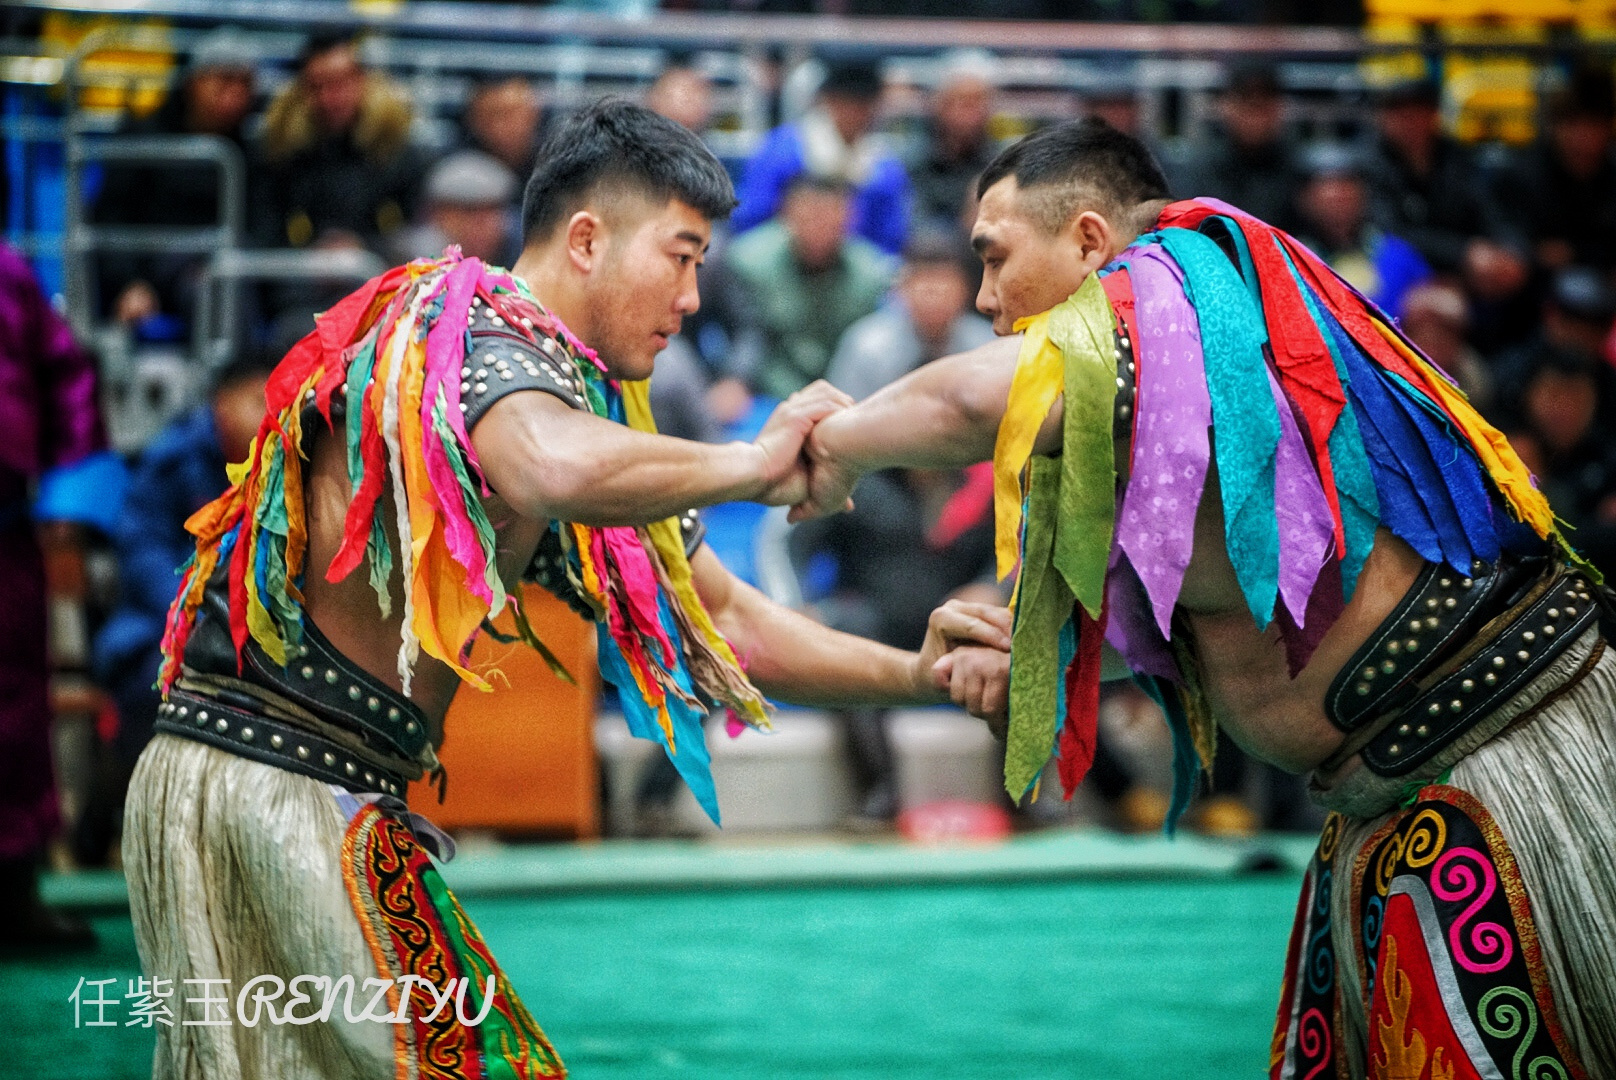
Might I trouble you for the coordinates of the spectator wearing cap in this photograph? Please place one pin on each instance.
(214, 99)
(802, 282)
(342, 170)
(1333, 219)
(1562, 193)
(1247, 159)
(835, 140)
(470, 201)
(1557, 406)
(1428, 189)
(504, 118)
(956, 147)
(928, 316)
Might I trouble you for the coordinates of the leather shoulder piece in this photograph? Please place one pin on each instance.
(692, 530)
(501, 360)
(1127, 389)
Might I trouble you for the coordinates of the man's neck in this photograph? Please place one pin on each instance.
(1138, 221)
(548, 276)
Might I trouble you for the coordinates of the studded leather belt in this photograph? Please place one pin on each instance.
(248, 732)
(1453, 652)
(320, 715)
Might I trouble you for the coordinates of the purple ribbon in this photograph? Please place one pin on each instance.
(1156, 528)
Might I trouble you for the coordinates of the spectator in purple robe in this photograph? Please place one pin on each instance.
(49, 414)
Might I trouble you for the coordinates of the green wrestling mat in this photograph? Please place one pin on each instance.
(962, 963)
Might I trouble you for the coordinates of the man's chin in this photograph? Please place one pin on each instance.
(630, 369)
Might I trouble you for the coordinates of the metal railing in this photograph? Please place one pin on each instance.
(84, 239)
(216, 326)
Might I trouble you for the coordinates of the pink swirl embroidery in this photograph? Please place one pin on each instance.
(1313, 1039)
(1457, 881)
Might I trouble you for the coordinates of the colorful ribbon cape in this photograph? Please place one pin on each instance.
(1262, 380)
(392, 353)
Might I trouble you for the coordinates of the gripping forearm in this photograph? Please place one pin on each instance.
(791, 657)
(567, 465)
(943, 415)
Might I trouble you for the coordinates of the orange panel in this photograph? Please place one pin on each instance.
(522, 759)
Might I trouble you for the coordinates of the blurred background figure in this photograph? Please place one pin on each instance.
(803, 281)
(1248, 159)
(835, 140)
(1430, 190)
(1333, 219)
(683, 94)
(1117, 104)
(1435, 317)
(1557, 404)
(471, 200)
(178, 472)
(1562, 193)
(504, 119)
(48, 412)
(930, 315)
(914, 538)
(342, 171)
(956, 147)
(214, 98)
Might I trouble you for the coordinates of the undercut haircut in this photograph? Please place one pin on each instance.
(1075, 166)
(615, 148)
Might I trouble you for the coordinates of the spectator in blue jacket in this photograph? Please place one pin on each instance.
(835, 140)
(180, 471)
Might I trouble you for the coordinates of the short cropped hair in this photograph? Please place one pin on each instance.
(624, 147)
(1077, 165)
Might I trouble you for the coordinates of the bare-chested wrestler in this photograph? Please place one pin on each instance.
(445, 432)
(1226, 472)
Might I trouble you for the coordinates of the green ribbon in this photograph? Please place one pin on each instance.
(1043, 605)
(1081, 327)
(1066, 543)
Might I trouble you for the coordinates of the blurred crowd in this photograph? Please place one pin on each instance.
(848, 259)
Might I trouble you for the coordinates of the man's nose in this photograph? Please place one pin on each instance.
(984, 300)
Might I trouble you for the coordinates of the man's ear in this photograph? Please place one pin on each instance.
(1092, 234)
(586, 235)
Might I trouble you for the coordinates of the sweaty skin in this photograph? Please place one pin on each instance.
(947, 414)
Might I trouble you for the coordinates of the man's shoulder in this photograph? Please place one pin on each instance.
(757, 249)
(869, 264)
(782, 144)
(181, 437)
(883, 331)
(970, 331)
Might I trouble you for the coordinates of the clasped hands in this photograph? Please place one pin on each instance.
(966, 653)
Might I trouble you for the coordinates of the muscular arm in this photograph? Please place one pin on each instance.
(944, 414)
(547, 460)
(790, 656)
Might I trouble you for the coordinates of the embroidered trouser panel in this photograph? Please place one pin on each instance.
(1470, 933)
(1450, 972)
(238, 869)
